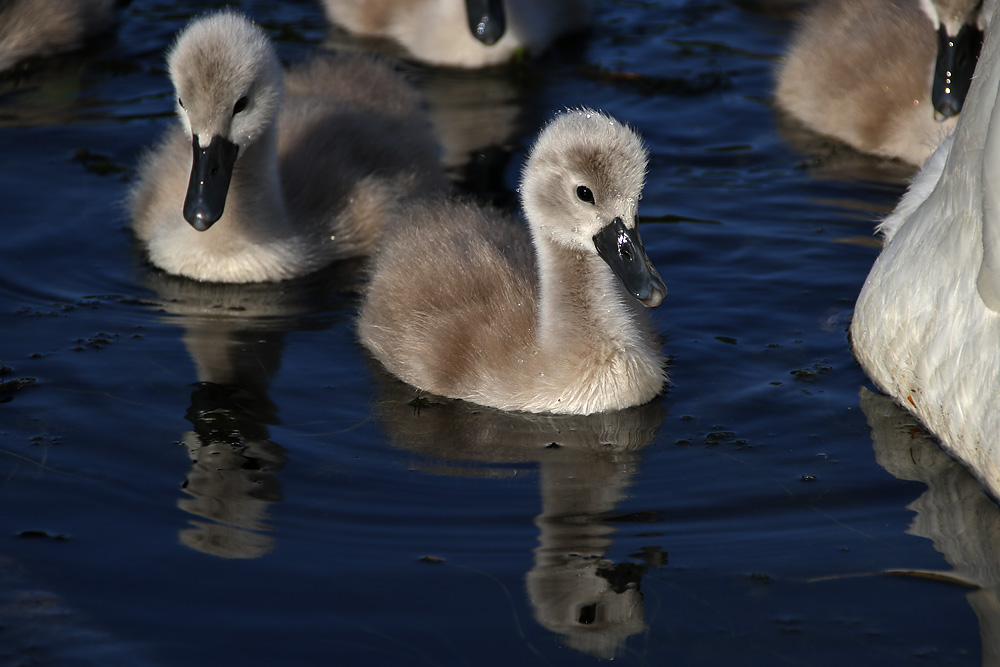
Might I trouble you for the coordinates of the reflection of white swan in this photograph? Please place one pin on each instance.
(456, 306)
(463, 33)
(954, 512)
(927, 323)
(39, 28)
(878, 74)
(585, 465)
(276, 187)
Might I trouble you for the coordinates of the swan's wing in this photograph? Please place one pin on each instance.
(920, 190)
(988, 282)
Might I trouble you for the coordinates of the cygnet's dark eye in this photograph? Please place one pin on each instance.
(240, 105)
(181, 103)
(584, 193)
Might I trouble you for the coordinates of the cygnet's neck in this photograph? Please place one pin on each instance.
(255, 205)
(582, 304)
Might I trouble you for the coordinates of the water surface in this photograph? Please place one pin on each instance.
(198, 475)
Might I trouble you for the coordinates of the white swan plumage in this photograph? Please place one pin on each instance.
(926, 326)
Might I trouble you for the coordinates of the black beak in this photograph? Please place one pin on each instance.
(956, 62)
(211, 171)
(622, 249)
(486, 20)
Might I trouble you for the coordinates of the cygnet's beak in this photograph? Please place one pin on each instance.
(622, 249)
(486, 20)
(956, 62)
(211, 171)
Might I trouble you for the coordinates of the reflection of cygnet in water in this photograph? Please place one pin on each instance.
(233, 477)
(954, 512)
(591, 601)
(234, 335)
(585, 465)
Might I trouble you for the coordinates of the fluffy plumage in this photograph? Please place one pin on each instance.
(438, 31)
(40, 28)
(863, 71)
(927, 323)
(466, 303)
(322, 157)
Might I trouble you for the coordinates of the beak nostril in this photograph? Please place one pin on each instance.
(587, 614)
(626, 253)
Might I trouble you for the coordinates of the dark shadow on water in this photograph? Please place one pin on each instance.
(41, 627)
(235, 337)
(955, 512)
(830, 159)
(481, 118)
(585, 466)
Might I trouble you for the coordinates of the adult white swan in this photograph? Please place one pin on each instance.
(926, 326)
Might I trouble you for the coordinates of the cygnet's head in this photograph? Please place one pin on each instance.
(229, 89)
(580, 189)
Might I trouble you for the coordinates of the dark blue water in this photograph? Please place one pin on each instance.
(199, 475)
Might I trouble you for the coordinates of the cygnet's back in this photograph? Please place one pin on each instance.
(353, 136)
(462, 304)
(269, 176)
